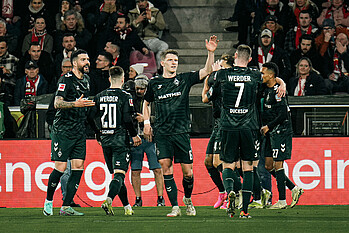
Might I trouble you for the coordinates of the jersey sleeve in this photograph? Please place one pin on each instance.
(193, 78)
(63, 87)
(149, 94)
(128, 111)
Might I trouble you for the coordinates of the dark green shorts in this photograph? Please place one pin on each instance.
(278, 146)
(64, 148)
(213, 143)
(176, 147)
(116, 158)
(240, 144)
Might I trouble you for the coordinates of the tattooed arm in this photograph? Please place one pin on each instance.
(79, 103)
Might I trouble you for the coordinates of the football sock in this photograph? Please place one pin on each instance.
(53, 181)
(237, 181)
(241, 173)
(280, 180)
(220, 167)
(247, 187)
(115, 185)
(256, 185)
(216, 178)
(171, 189)
(188, 185)
(72, 186)
(289, 184)
(228, 180)
(123, 195)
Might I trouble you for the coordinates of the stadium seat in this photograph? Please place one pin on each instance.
(148, 61)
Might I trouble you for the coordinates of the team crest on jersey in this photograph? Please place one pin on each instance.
(176, 82)
(61, 87)
(159, 86)
(131, 102)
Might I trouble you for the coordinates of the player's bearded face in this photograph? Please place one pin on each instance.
(84, 64)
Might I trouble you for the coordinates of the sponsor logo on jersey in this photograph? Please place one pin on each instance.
(170, 95)
(237, 78)
(61, 87)
(238, 110)
(131, 102)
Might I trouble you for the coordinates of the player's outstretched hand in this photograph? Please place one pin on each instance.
(212, 44)
(148, 132)
(80, 103)
(137, 140)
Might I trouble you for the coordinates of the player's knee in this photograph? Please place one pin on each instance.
(217, 163)
(208, 162)
(157, 172)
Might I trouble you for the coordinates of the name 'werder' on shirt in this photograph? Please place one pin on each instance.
(105, 99)
(237, 78)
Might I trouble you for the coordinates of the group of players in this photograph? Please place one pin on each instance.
(236, 136)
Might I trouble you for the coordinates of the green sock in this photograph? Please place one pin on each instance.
(228, 180)
(123, 195)
(247, 187)
(216, 178)
(188, 185)
(72, 186)
(171, 189)
(115, 185)
(280, 180)
(237, 181)
(257, 188)
(53, 181)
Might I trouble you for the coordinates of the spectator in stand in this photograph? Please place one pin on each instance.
(294, 34)
(75, 25)
(99, 77)
(105, 20)
(274, 7)
(8, 69)
(271, 23)
(306, 81)
(337, 66)
(69, 45)
(325, 42)
(135, 70)
(88, 9)
(300, 5)
(307, 49)
(32, 84)
(128, 5)
(128, 39)
(114, 50)
(267, 51)
(12, 39)
(64, 6)
(35, 9)
(338, 11)
(149, 21)
(43, 60)
(38, 34)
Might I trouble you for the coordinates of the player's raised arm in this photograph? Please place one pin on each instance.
(211, 46)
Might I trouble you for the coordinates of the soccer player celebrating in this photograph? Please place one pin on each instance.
(170, 93)
(68, 131)
(277, 129)
(114, 109)
(239, 125)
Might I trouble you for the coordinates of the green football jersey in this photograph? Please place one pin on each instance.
(214, 97)
(71, 121)
(239, 87)
(171, 98)
(276, 111)
(113, 106)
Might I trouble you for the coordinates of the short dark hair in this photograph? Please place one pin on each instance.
(229, 58)
(107, 55)
(75, 54)
(306, 12)
(306, 37)
(34, 43)
(127, 19)
(3, 39)
(168, 51)
(272, 67)
(116, 73)
(244, 52)
(68, 34)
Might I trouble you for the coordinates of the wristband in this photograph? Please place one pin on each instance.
(147, 122)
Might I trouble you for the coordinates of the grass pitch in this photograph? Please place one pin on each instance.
(153, 219)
